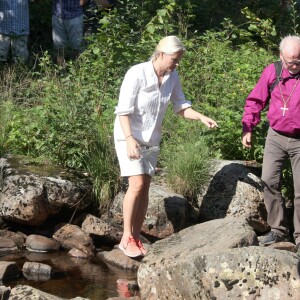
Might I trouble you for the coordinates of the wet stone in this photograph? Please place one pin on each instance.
(17, 237)
(40, 243)
(117, 258)
(7, 245)
(37, 271)
(77, 253)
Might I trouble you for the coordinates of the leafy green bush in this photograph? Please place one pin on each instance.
(217, 77)
(66, 115)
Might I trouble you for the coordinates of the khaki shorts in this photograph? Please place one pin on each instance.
(18, 46)
(145, 165)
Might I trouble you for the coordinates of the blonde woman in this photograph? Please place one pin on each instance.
(144, 96)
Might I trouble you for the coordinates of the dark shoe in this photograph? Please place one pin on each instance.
(272, 237)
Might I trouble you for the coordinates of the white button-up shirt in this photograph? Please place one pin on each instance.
(146, 102)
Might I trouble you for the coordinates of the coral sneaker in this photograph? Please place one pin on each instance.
(131, 249)
(141, 247)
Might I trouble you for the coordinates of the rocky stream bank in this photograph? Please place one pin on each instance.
(208, 250)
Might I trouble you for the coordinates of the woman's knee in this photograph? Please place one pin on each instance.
(139, 184)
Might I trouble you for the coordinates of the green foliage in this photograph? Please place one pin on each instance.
(101, 164)
(218, 76)
(294, 16)
(161, 23)
(254, 29)
(66, 114)
(187, 163)
(6, 111)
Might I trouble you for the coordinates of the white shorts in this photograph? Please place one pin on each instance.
(145, 165)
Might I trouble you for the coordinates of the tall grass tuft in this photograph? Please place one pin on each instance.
(187, 165)
(101, 164)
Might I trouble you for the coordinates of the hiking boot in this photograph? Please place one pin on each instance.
(131, 249)
(272, 237)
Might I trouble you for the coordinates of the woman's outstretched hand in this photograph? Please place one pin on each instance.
(210, 123)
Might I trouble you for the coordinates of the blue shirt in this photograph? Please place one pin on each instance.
(66, 9)
(14, 17)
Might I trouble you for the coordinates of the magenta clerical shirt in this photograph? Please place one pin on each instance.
(286, 121)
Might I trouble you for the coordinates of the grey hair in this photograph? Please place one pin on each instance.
(288, 39)
(169, 45)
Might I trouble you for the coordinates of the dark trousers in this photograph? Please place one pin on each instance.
(278, 149)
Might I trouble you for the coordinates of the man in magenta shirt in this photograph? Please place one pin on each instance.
(283, 139)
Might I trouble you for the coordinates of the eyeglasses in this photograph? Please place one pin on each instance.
(292, 63)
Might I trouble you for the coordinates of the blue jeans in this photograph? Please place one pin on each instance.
(18, 46)
(67, 32)
(278, 149)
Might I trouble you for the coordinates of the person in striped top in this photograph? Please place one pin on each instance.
(67, 28)
(14, 30)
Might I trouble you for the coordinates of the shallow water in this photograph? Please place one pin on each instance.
(73, 277)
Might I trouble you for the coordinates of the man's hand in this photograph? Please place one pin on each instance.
(246, 139)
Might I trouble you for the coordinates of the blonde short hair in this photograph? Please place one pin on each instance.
(169, 45)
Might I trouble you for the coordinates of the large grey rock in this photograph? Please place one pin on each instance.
(21, 292)
(251, 272)
(29, 194)
(235, 189)
(217, 260)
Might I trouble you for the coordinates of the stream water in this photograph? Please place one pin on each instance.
(72, 277)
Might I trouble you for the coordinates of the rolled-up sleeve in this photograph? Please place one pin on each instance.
(177, 96)
(128, 92)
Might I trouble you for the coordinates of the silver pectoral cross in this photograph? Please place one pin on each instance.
(284, 108)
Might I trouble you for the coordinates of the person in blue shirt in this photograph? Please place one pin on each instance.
(67, 28)
(14, 30)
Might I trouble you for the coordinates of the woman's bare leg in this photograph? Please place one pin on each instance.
(142, 207)
(132, 215)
